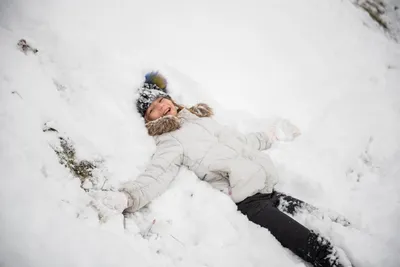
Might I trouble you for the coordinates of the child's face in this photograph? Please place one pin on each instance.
(159, 108)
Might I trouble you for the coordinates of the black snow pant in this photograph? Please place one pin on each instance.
(267, 210)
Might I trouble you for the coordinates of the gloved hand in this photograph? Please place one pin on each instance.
(283, 130)
(117, 201)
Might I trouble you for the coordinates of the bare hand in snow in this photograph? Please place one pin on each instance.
(283, 130)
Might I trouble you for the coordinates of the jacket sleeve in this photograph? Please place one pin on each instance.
(256, 140)
(159, 173)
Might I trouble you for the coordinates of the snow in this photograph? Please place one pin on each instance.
(324, 65)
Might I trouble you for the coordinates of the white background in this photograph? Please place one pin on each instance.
(324, 65)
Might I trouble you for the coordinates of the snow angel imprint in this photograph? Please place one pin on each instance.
(231, 162)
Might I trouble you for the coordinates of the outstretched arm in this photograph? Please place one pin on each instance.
(257, 140)
(162, 169)
(280, 130)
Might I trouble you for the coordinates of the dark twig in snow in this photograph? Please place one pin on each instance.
(24, 46)
(16, 93)
(147, 232)
(177, 240)
(104, 183)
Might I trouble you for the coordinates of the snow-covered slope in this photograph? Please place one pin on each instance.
(325, 65)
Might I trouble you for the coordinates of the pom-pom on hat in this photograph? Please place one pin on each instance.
(155, 86)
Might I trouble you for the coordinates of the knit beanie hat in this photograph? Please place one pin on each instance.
(155, 86)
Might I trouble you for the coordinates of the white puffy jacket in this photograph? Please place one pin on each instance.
(230, 161)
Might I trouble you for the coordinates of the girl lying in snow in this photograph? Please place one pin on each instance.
(231, 162)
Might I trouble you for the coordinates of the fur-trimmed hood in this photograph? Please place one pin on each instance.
(171, 123)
